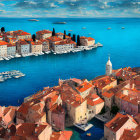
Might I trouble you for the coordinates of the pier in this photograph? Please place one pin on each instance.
(83, 127)
(10, 74)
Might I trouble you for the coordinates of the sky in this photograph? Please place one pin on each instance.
(69, 8)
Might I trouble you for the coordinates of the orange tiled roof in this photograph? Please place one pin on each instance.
(63, 135)
(44, 32)
(131, 134)
(3, 43)
(66, 41)
(84, 86)
(36, 43)
(54, 38)
(93, 99)
(107, 94)
(88, 38)
(11, 44)
(118, 121)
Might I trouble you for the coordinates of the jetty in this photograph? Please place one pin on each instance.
(10, 74)
(84, 127)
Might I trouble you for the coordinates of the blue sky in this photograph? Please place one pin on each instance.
(69, 8)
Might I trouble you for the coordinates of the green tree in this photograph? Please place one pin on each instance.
(74, 38)
(69, 34)
(114, 110)
(53, 32)
(78, 40)
(34, 37)
(64, 32)
(2, 29)
(64, 36)
(102, 111)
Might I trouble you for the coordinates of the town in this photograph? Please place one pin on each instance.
(113, 98)
(20, 43)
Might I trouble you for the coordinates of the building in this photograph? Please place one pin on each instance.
(61, 35)
(45, 45)
(87, 41)
(36, 47)
(1, 38)
(108, 67)
(85, 88)
(66, 45)
(43, 34)
(20, 34)
(114, 129)
(104, 83)
(30, 131)
(57, 117)
(23, 47)
(3, 49)
(94, 105)
(11, 49)
(53, 40)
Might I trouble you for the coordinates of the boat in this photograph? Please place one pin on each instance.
(109, 28)
(83, 27)
(1, 59)
(90, 33)
(70, 30)
(60, 23)
(99, 44)
(54, 53)
(48, 52)
(33, 20)
(123, 27)
(6, 58)
(88, 134)
(17, 55)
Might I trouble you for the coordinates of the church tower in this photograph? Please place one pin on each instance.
(108, 67)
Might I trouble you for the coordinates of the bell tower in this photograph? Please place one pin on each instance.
(108, 67)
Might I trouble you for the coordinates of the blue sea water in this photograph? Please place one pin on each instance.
(123, 45)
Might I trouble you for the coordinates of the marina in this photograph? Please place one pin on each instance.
(10, 74)
(76, 49)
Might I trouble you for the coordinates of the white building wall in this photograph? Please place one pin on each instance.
(25, 49)
(3, 51)
(11, 50)
(66, 47)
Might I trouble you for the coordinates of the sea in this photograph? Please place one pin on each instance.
(123, 46)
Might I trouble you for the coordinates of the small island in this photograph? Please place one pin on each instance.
(22, 44)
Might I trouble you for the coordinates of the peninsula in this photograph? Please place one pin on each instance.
(20, 43)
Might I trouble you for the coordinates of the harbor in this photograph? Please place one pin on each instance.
(10, 74)
(74, 50)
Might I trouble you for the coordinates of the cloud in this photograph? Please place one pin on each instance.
(2, 11)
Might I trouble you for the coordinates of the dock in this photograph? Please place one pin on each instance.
(10, 74)
(83, 127)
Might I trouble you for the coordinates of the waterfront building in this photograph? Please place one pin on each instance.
(11, 40)
(76, 106)
(11, 49)
(94, 105)
(57, 117)
(36, 47)
(85, 88)
(66, 45)
(114, 129)
(53, 40)
(108, 67)
(87, 41)
(43, 34)
(3, 49)
(23, 47)
(45, 45)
